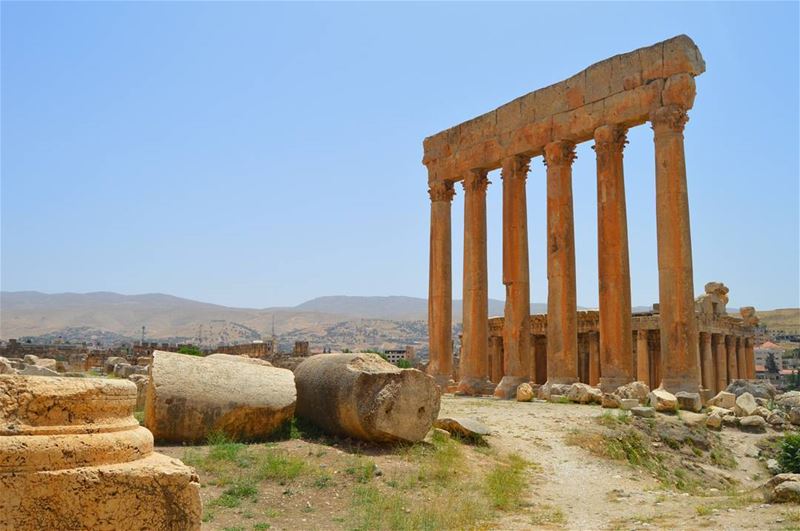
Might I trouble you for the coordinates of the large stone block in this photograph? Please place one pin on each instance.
(190, 397)
(366, 397)
(73, 457)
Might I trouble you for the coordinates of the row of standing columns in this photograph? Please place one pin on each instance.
(679, 339)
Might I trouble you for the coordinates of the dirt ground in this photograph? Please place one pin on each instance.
(577, 489)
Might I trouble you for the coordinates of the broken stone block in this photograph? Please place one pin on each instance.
(757, 389)
(663, 400)
(582, 393)
(365, 397)
(753, 423)
(689, 401)
(794, 416)
(242, 359)
(644, 412)
(730, 420)
(463, 426)
(35, 370)
(72, 456)
(714, 421)
(6, 367)
(745, 405)
(782, 488)
(693, 419)
(637, 390)
(190, 397)
(788, 400)
(627, 404)
(723, 399)
(108, 365)
(524, 392)
(611, 401)
(549, 390)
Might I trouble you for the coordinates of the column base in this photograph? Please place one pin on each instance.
(676, 385)
(611, 384)
(443, 381)
(507, 388)
(474, 387)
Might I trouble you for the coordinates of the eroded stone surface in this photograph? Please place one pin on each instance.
(189, 397)
(73, 457)
(366, 397)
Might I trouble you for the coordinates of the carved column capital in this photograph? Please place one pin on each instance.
(516, 167)
(559, 153)
(441, 190)
(475, 181)
(670, 118)
(609, 139)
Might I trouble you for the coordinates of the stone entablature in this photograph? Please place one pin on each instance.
(622, 90)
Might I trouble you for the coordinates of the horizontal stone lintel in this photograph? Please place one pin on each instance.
(621, 90)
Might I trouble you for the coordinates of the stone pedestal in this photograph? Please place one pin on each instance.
(474, 351)
(516, 332)
(679, 341)
(616, 350)
(440, 291)
(562, 325)
(73, 457)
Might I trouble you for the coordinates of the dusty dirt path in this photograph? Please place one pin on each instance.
(596, 493)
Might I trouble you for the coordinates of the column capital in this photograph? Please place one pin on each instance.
(515, 167)
(559, 153)
(670, 118)
(441, 190)
(475, 181)
(609, 139)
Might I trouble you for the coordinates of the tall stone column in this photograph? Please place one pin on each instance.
(730, 354)
(440, 290)
(594, 358)
(720, 361)
(707, 361)
(616, 349)
(750, 358)
(474, 351)
(562, 317)
(679, 342)
(741, 358)
(643, 356)
(516, 277)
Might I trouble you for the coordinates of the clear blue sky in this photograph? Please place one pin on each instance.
(264, 154)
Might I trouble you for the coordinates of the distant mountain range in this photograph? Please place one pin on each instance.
(337, 321)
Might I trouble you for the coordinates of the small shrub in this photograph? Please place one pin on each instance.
(190, 350)
(233, 495)
(280, 467)
(789, 453)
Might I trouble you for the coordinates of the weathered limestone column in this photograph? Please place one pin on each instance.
(474, 350)
(720, 361)
(679, 342)
(616, 349)
(516, 277)
(741, 359)
(440, 290)
(594, 358)
(643, 356)
(750, 358)
(707, 361)
(730, 354)
(562, 318)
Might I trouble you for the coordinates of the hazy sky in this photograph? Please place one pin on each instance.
(264, 154)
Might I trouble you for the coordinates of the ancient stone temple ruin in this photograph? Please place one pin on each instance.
(654, 84)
